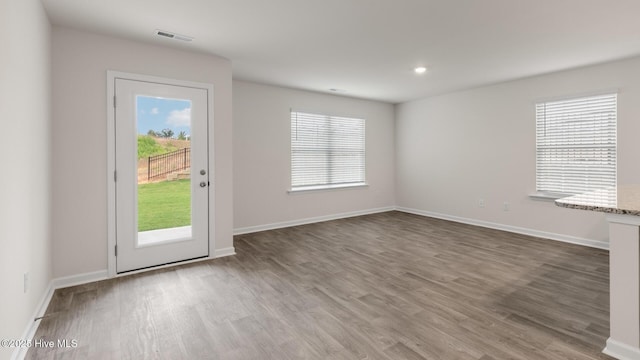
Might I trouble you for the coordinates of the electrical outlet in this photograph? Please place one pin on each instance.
(481, 203)
(505, 206)
(26, 282)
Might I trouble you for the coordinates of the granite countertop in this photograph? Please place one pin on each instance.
(623, 199)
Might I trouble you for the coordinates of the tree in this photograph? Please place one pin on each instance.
(167, 133)
(182, 135)
(152, 133)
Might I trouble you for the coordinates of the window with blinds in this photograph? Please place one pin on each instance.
(576, 144)
(326, 151)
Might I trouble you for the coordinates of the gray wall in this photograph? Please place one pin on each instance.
(454, 149)
(25, 191)
(261, 156)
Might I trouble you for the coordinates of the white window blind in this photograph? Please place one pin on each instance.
(576, 144)
(326, 151)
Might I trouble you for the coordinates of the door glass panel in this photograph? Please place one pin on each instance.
(164, 169)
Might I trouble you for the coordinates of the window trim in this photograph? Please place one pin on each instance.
(548, 196)
(316, 188)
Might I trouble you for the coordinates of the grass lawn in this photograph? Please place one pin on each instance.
(164, 205)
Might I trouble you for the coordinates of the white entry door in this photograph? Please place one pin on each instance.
(161, 173)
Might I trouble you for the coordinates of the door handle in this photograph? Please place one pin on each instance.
(203, 184)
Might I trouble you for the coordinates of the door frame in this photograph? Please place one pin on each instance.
(111, 163)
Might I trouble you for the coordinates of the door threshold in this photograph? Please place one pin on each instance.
(163, 266)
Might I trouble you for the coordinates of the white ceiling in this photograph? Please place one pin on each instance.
(370, 47)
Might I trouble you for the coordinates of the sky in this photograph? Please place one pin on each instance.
(160, 113)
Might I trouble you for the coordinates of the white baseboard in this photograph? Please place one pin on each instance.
(32, 326)
(514, 229)
(317, 219)
(218, 253)
(73, 280)
(621, 351)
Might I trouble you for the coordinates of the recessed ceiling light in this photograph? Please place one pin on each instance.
(420, 70)
(171, 35)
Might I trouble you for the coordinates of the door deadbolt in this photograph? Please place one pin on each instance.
(203, 172)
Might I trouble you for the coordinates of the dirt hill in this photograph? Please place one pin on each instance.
(179, 144)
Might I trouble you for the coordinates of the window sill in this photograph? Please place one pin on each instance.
(304, 189)
(546, 196)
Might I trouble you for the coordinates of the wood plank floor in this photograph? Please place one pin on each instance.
(383, 286)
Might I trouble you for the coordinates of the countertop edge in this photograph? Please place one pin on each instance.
(602, 209)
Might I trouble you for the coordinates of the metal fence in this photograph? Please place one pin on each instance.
(168, 163)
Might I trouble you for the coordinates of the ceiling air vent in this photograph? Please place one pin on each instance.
(174, 36)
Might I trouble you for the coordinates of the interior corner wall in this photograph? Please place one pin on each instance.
(261, 166)
(455, 149)
(80, 64)
(25, 194)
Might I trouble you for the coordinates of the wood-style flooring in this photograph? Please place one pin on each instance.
(383, 286)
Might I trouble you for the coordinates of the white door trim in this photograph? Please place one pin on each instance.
(111, 157)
